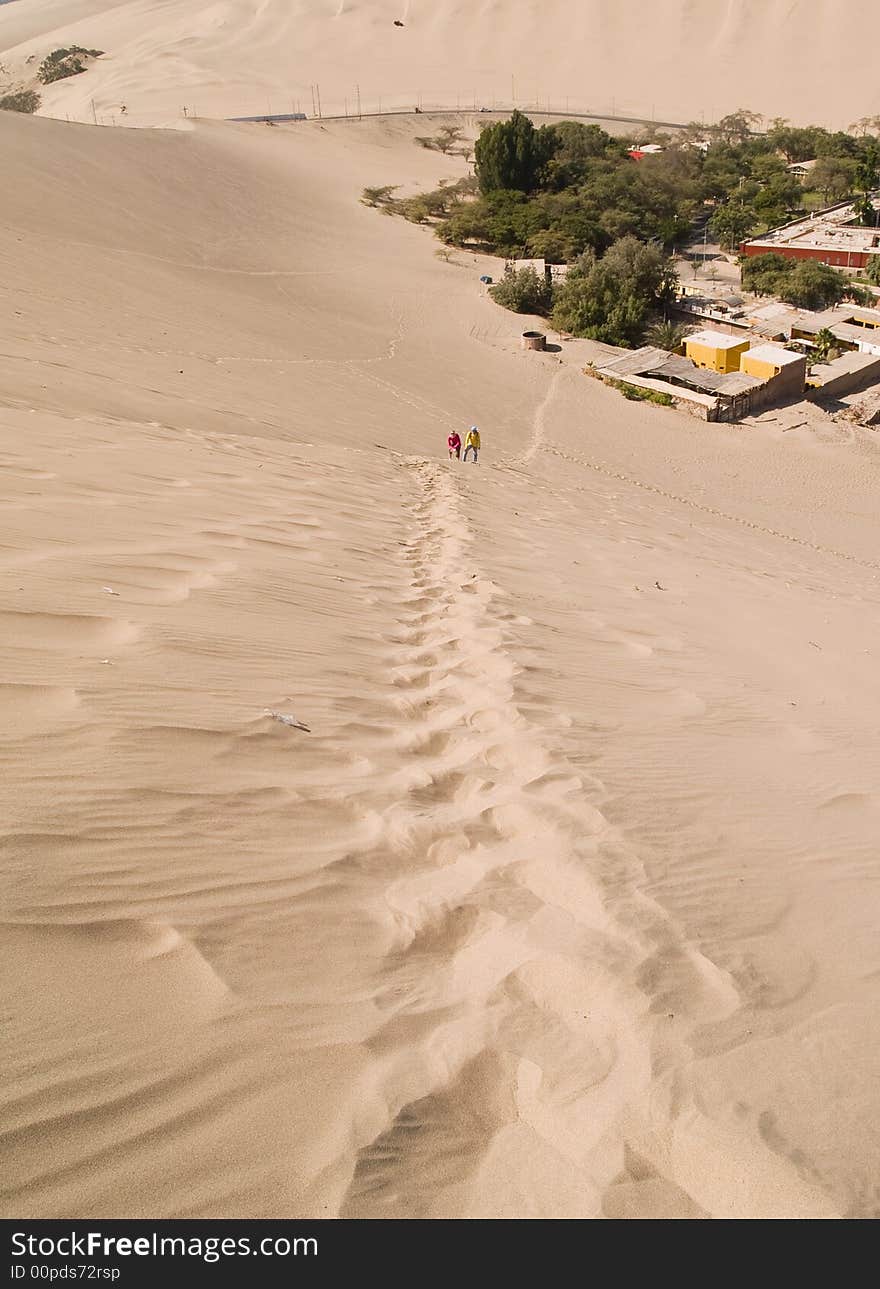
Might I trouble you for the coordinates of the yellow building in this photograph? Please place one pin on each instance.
(715, 350)
(766, 361)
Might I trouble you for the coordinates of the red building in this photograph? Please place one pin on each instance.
(831, 236)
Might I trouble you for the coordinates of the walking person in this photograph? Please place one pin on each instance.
(472, 443)
(454, 445)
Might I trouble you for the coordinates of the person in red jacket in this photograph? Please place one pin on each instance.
(454, 445)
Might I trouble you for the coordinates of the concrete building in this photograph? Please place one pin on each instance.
(847, 374)
(787, 370)
(640, 150)
(716, 350)
(853, 326)
(544, 269)
(801, 168)
(832, 236)
(706, 392)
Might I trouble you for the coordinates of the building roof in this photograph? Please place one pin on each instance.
(849, 362)
(851, 333)
(833, 229)
(803, 165)
(637, 361)
(657, 363)
(774, 354)
(784, 318)
(714, 339)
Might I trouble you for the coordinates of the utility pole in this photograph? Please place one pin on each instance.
(512, 90)
(314, 108)
(358, 88)
(318, 92)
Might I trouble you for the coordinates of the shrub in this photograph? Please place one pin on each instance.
(24, 101)
(764, 274)
(445, 141)
(609, 299)
(731, 224)
(62, 63)
(807, 284)
(635, 393)
(378, 196)
(667, 335)
(859, 294)
(813, 285)
(523, 291)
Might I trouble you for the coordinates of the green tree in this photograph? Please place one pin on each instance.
(812, 285)
(872, 272)
(834, 177)
(512, 155)
(825, 345)
(868, 169)
(863, 208)
(378, 196)
(766, 274)
(667, 335)
(737, 126)
(731, 224)
(523, 291)
(778, 198)
(574, 147)
(26, 101)
(796, 142)
(610, 298)
(444, 141)
(62, 63)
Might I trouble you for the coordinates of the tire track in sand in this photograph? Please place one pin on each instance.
(537, 1007)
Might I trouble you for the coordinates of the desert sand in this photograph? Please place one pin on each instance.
(676, 60)
(566, 904)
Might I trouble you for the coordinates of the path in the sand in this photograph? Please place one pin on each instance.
(526, 976)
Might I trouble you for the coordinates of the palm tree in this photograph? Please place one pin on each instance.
(826, 345)
(667, 335)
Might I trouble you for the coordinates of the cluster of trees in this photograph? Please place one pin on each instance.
(570, 193)
(426, 206)
(747, 173)
(65, 62)
(558, 191)
(807, 284)
(448, 140)
(24, 101)
(610, 297)
(561, 189)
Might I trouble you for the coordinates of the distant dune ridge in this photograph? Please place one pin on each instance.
(807, 60)
(559, 898)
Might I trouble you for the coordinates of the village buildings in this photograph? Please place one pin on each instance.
(831, 236)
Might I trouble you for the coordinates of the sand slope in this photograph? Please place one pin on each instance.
(801, 59)
(566, 905)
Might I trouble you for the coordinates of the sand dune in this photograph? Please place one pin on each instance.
(807, 60)
(566, 906)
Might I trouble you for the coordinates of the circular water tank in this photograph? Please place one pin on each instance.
(534, 340)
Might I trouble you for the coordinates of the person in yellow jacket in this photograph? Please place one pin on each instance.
(472, 443)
